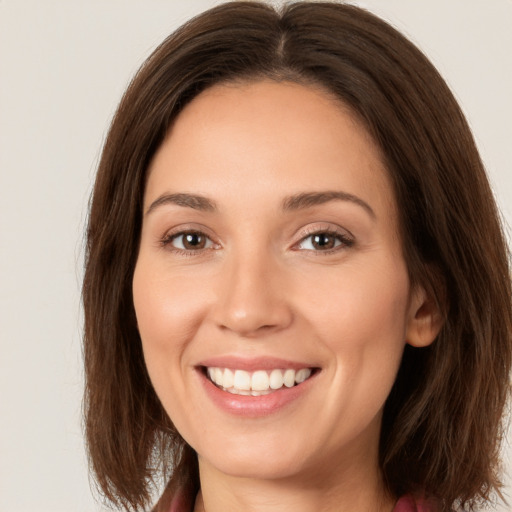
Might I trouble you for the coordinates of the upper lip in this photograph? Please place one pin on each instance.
(253, 363)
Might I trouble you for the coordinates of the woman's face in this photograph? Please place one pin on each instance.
(270, 254)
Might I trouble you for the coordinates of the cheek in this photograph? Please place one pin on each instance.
(168, 313)
(363, 325)
(362, 303)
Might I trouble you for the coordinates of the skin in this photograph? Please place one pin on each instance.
(260, 287)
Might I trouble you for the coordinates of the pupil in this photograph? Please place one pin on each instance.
(323, 241)
(194, 241)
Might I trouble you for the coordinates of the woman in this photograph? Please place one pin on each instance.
(297, 291)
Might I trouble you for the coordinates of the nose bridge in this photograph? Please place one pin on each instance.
(253, 299)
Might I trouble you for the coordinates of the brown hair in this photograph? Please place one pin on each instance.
(442, 421)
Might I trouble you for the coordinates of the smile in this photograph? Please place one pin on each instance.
(257, 383)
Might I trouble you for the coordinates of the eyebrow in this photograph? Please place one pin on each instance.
(293, 203)
(309, 199)
(193, 201)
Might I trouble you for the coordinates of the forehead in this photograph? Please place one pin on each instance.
(268, 138)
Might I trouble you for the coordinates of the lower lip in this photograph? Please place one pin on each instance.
(254, 406)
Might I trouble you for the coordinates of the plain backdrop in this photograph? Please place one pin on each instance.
(63, 67)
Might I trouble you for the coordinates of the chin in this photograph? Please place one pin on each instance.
(270, 468)
(255, 460)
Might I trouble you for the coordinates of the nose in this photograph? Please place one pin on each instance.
(254, 298)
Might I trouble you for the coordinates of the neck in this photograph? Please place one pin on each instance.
(350, 489)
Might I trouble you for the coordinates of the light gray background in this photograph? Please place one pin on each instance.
(63, 67)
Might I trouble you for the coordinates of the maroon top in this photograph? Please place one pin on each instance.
(180, 503)
(409, 504)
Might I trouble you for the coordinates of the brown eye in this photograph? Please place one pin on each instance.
(323, 241)
(194, 241)
(190, 241)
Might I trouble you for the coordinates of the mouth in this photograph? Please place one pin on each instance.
(256, 383)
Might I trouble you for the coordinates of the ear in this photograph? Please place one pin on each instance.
(425, 319)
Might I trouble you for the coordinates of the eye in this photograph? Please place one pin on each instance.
(324, 241)
(188, 241)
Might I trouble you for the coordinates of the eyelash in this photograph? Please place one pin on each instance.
(170, 238)
(344, 240)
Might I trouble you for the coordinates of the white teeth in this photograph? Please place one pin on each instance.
(242, 380)
(260, 382)
(218, 376)
(302, 375)
(276, 379)
(229, 378)
(259, 393)
(289, 378)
